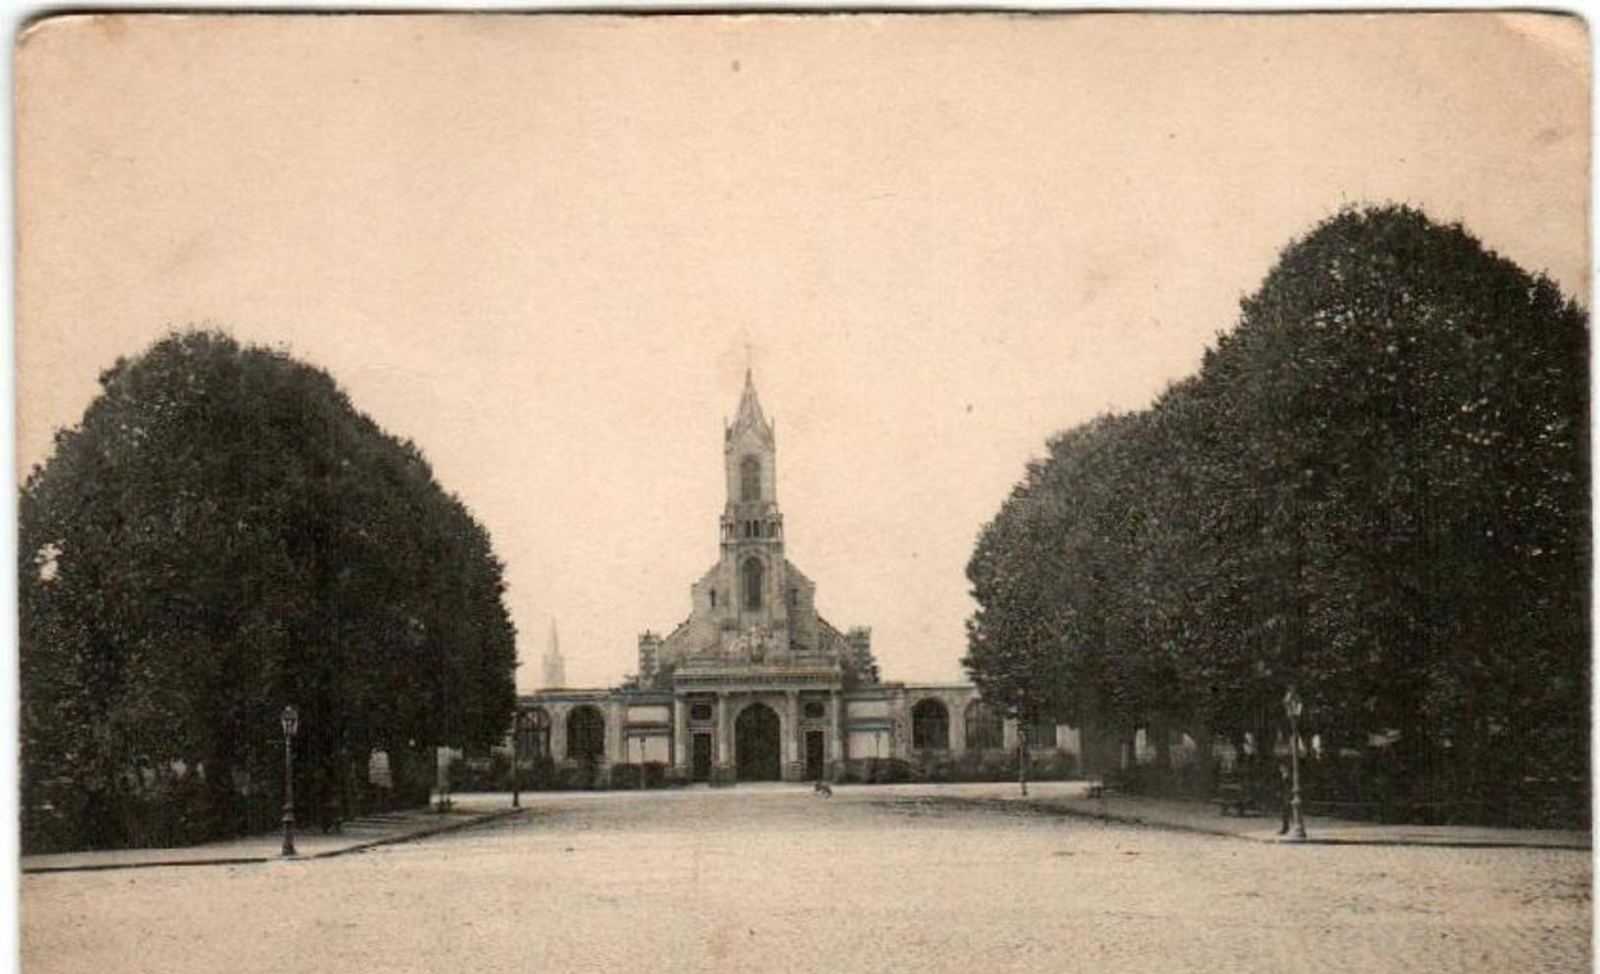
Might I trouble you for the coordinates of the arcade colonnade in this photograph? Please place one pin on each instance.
(747, 732)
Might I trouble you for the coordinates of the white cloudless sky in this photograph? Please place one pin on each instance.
(539, 247)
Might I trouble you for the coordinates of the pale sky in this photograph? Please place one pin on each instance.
(538, 247)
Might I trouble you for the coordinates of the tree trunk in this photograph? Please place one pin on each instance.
(1160, 735)
(1205, 772)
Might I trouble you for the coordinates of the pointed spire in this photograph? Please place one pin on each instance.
(750, 415)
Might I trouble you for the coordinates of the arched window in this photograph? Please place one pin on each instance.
(586, 734)
(754, 575)
(985, 727)
(930, 726)
(750, 479)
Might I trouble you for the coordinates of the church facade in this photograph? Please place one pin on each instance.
(755, 685)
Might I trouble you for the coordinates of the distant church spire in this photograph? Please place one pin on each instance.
(555, 668)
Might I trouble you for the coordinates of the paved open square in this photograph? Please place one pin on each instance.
(774, 878)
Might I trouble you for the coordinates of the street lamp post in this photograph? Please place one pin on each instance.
(1022, 755)
(441, 770)
(516, 758)
(1293, 706)
(290, 719)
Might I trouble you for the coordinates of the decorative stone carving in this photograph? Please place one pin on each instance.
(754, 645)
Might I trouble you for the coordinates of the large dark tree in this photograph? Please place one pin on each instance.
(1375, 490)
(1419, 412)
(221, 535)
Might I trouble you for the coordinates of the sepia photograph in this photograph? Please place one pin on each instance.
(830, 491)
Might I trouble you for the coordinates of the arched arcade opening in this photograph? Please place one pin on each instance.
(930, 726)
(586, 735)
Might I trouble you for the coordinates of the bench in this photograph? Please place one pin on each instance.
(1102, 786)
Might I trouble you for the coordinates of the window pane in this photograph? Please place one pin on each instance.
(750, 479)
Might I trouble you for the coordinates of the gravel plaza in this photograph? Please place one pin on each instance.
(776, 878)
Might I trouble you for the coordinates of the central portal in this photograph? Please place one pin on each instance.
(756, 742)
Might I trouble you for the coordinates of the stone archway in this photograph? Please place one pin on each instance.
(985, 727)
(758, 743)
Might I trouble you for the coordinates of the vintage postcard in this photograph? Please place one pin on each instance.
(828, 491)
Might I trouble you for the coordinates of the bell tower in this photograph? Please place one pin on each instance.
(752, 525)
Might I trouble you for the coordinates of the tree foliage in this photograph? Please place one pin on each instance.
(222, 535)
(1376, 490)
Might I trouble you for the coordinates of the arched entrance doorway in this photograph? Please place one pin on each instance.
(756, 743)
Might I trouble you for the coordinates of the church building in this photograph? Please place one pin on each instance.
(755, 685)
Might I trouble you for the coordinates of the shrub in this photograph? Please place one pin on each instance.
(1052, 766)
(581, 776)
(480, 774)
(985, 765)
(886, 771)
(537, 774)
(625, 776)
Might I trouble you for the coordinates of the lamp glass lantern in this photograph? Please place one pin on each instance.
(290, 718)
